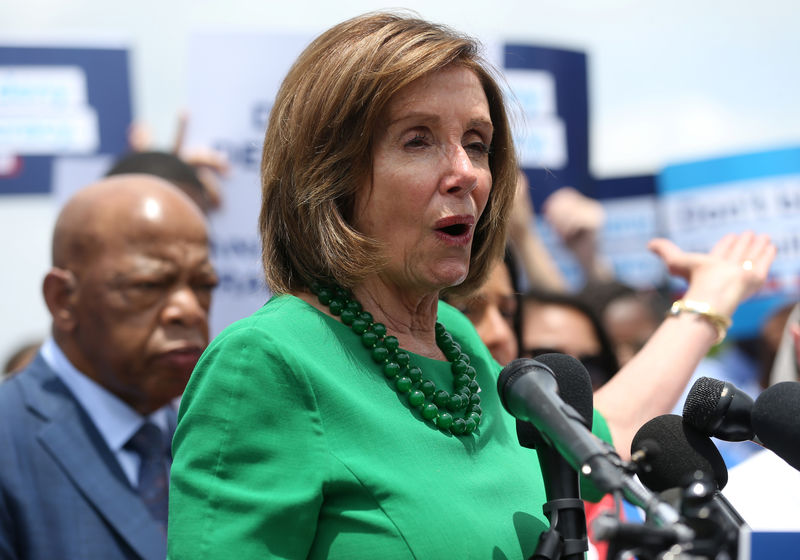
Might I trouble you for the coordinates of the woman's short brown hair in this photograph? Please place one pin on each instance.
(318, 148)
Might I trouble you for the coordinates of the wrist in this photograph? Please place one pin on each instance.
(702, 310)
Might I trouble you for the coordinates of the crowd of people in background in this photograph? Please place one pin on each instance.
(130, 290)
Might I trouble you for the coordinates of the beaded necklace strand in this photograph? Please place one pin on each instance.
(459, 412)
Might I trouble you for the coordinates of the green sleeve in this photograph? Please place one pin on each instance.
(589, 491)
(246, 478)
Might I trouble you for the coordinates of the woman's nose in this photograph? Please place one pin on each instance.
(461, 177)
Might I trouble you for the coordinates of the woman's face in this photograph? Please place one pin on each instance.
(430, 180)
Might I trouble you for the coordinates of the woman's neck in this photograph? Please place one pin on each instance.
(409, 317)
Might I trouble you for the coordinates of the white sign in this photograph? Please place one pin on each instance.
(44, 110)
(540, 135)
(233, 79)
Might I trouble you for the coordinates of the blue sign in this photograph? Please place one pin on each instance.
(551, 87)
(59, 101)
(768, 545)
(702, 201)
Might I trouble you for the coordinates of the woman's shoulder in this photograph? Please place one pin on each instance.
(283, 317)
(271, 339)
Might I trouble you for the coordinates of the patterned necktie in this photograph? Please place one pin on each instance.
(153, 486)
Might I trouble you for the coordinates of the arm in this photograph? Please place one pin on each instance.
(652, 382)
(210, 165)
(577, 219)
(249, 458)
(539, 266)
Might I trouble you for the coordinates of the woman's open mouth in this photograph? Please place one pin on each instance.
(455, 230)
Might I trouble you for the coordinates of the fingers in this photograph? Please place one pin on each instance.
(206, 158)
(722, 248)
(754, 252)
(762, 254)
(180, 132)
(678, 262)
(571, 213)
(140, 138)
(738, 250)
(735, 268)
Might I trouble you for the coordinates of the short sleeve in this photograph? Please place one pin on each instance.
(248, 455)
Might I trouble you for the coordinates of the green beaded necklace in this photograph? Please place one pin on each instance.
(458, 413)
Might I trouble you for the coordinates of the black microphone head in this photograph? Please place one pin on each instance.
(574, 383)
(719, 409)
(701, 405)
(513, 371)
(669, 452)
(776, 420)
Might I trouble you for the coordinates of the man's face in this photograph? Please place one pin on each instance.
(142, 310)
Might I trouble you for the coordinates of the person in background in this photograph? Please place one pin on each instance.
(559, 322)
(778, 351)
(494, 310)
(196, 170)
(85, 429)
(172, 168)
(628, 315)
(764, 488)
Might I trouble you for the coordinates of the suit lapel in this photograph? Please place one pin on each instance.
(75, 444)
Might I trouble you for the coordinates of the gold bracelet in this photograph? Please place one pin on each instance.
(702, 309)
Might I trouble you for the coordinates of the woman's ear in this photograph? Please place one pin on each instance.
(60, 289)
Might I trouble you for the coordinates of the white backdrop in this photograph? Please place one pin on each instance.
(667, 82)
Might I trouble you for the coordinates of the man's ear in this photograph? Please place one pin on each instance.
(60, 289)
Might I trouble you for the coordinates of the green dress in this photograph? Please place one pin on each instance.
(292, 444)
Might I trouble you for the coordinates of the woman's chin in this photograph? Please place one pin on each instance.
(432, 278)
(452, 277)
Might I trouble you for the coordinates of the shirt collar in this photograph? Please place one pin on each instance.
(113, 418)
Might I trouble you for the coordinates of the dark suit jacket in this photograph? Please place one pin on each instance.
(62, 492)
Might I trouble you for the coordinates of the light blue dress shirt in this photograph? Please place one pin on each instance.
(115, 420)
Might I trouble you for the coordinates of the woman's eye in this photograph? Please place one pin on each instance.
(477, 148)
(417, 141)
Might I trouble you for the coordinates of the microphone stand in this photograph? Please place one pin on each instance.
(566, 538)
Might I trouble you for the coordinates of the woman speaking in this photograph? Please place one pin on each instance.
(355, 414)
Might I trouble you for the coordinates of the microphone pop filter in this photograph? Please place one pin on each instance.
(670, 452)
(574, 388)
(574, 383)
(776, 420)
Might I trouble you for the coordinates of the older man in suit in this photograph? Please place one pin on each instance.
(85, 430)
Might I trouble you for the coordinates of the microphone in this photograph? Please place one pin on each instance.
(529, 391)
(574, 383)
(776, 420)
(562, 487)
(670, 453)
(574, 387)
(719, 409)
